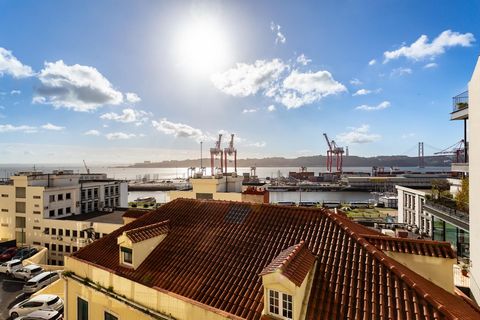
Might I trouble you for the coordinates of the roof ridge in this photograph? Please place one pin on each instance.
(150, 226)
(398, 239)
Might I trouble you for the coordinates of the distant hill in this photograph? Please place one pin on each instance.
(310, 161)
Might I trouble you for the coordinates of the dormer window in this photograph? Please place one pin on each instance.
(136, 244)
(280, 304)
(127, 256)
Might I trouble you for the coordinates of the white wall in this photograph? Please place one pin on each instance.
(474, 167)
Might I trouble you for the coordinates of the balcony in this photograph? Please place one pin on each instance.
(447, 210)
(460, 167)
(460, 107)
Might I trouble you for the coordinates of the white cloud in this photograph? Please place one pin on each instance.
(249, 110)
(13, 92)
(362, 92)
(132, 97)
(304, 88)
(119, 136)
(372, 62)
(430, 65)
(22, 128)
(356, 82)
(49, 126)
(358, 135)
(303, 60)
(271, 108)
(179, 130)
(128, 115)
(293, 91)
(261, 144)
(422, 49)
(398, 72)
(380, 106)
(92, 133)
(279, 37)
(9, 64)
(248, 79)
(77, 87)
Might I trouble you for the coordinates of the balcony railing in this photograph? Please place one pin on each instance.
(460, 101)
(448, 211)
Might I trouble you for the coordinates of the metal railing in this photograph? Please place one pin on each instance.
(460, 101)
(449, 211)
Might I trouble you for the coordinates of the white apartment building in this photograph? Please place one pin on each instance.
(411, 209)
(62, 211)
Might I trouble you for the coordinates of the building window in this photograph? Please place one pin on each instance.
(36, 228)
(36, 243)
(60, 248)
(67, 249)
(37, 197)
(4, 210)
(127, 256)
(51, 213)
(75, 249)
(54, 247)
(47, 245)
(47, 231)
(280, 304)
(67, 232)
(36, 212)
(60, 212)
(274, 302)
(51, 198)
(82, 309)
(68, 210)
(4, 195)
(20, 192)
(109, 316)
(60, 197)
(68, 196)
(75, 233)
(20, 222)
(82, 234)
(20, 207)
(60, 232)
(54, 232)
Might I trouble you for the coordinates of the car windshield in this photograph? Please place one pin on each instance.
(37, 269)
(31, 283)
(53, 301)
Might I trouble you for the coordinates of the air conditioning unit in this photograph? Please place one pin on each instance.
(59, 238)
(54, 238)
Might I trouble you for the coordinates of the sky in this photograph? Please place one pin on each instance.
(127, 81)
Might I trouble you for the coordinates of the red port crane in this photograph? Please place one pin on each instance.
(334, 150)
(217, 150)
(457, 150)
(229, 151)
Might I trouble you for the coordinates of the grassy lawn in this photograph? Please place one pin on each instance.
(374, 213)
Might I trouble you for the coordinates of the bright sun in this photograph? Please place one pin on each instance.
(202, 47)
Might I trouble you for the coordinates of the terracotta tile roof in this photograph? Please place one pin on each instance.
(135, 213)
(217, 261)
(294, 263)
(439, 249)
(149, 231)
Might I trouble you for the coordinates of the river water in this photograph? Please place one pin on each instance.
(182, 173)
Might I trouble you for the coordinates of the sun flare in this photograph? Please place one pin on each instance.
(202, 47)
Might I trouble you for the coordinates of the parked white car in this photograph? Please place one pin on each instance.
(43, 315)
(40, 281)
(10, 266)
(47, 302)
(27, 272)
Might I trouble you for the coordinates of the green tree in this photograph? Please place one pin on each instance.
(462, 196)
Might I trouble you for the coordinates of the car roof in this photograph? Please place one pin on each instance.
(43, 297)
(40, 276)
(14, 261)
(32, 266)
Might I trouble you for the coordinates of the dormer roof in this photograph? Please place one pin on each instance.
(294, 263)
(148, 231)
